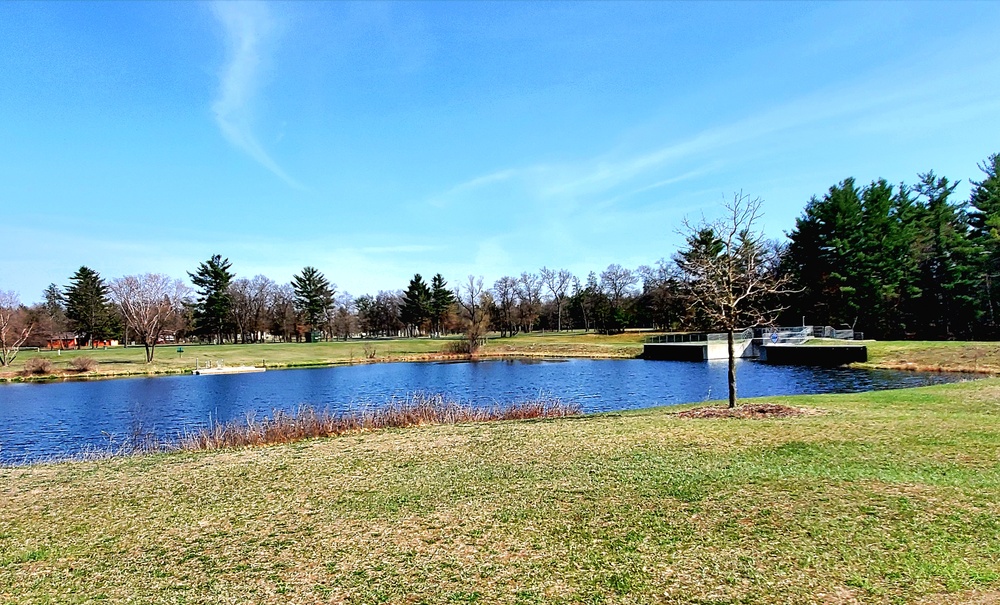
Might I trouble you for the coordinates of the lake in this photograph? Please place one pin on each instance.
(40, 421)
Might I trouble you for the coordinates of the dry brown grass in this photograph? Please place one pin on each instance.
(751, 410)
(928, 356)
(416, 410)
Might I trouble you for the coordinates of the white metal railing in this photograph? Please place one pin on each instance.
(700, 337)
(775, 335)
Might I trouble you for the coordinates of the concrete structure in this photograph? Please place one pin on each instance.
(813, 355)
(699, 346)
(770, 345)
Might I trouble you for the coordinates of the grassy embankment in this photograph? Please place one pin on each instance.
(983, 357)
(882, 497)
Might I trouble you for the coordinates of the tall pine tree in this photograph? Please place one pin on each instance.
(214, 303)
(313, 297)
(442, 300)
(417, 305)
(947, 276)
(87, 306)
(984, 223)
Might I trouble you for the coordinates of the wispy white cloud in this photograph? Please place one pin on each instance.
(889, 101)
(247, 27)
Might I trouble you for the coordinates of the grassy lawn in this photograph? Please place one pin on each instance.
(886, 497)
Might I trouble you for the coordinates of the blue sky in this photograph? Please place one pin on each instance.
(373, 141)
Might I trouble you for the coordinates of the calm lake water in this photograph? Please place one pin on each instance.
(44, 421)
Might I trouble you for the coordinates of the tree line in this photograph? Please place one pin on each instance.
(893, 261)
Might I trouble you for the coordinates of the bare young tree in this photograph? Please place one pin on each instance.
(529, 294)
(558, 283)
(730, 273)
(250, 298)
(148, 303)
(15, 326)
(505, 300)
(473, 301)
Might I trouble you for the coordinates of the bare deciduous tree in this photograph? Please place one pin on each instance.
(529, 294)
(15, 326)
(148, 303)
(558, 283)
(729, 272)
(505, 300)
(473, 301)
(250, 298)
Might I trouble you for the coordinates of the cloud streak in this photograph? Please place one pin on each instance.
(246, 27)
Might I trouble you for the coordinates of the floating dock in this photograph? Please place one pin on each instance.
(228, 370)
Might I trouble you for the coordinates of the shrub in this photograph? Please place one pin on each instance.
(37, 365)
(459, 347)
(83, 364)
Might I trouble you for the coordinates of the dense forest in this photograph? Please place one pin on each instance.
(890, 261)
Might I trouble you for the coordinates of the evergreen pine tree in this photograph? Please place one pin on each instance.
(984, 223)
(313, 296)
(947, 265)
(417, 305)
(88, 307)
(214, 302)
(442, 300)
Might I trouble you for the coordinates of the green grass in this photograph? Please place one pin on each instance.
(883, 497)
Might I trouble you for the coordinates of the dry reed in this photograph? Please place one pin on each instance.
(414, 410)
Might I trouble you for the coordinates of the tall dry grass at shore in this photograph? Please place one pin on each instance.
(414, 410)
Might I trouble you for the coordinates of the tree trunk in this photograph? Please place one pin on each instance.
(732, 368)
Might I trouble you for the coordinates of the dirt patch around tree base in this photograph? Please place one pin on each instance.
(749, 410)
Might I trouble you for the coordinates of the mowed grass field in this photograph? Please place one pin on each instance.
(888, 497)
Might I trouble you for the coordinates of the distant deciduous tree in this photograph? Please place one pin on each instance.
(149, 303)
(250, 299)
(529, 300)
(15, 326)
(474, 302)
(504, 317)
(558, 283)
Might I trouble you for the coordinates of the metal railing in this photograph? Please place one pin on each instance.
(786, 335)
(696, 337)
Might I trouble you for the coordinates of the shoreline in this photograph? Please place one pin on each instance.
(70, 376)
